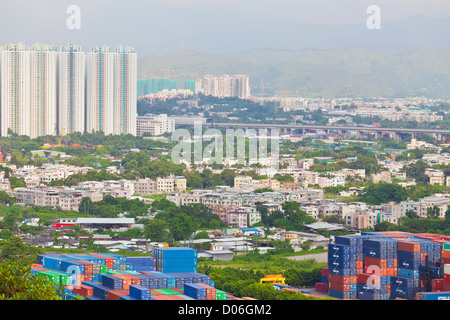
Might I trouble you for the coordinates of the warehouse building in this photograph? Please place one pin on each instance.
(114, 224)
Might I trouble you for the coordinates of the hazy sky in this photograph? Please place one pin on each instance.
(162, 26)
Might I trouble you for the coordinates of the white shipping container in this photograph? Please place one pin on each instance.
(446, 268)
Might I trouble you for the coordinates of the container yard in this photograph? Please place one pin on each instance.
(169, 274)
(387, 266)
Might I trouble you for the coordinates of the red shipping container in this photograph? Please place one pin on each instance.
(446, 286)
(321, 286)
(108, 261)
(339, 286)
(83, 290)
(445, 261)
(368, 278)
(408, 246)
(88, 266)
(324, 272)
(437, 283)
(369, 261)
(338, 279)
(88, 277)
(116, 294)
(447, 278)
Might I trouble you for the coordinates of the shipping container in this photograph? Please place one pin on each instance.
(141, 261)
(112, 282)
(409, 246)
(140, 292)
(434, 295)
(195, 291)
(175, 252)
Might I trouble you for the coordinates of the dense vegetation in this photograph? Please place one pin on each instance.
(172, 223)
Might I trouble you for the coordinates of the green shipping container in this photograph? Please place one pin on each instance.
(104, 268)
(51, 278)
(221, 295)
(167, 291)
(446, 246)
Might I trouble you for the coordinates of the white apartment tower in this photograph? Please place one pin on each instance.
(226, 85)
(15, 85)
(125, 99)
(111, 84)
(44, 91)
(71, 89)
(28, 89)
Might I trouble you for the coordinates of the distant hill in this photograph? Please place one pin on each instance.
(357, 72)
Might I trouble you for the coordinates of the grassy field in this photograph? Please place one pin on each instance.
(267, 262)
(39, 212)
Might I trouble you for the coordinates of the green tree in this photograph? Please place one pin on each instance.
(5, 199)
(17, 182)
(86, 206)
(17, 283)
(433, 212)
(14, 250)
(156, 230)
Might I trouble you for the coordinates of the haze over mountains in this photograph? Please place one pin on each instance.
(357, 72)
(409, 57)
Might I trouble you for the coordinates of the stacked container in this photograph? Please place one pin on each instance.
(446, 280)
(141, 263)
(175, 259)
(380, 260)
(323, 285)
(342, 270)
(96, 280)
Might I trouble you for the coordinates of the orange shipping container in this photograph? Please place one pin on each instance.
(210, 291)
(338, 286)
(116, 294)
(408, 246)
(126, 281)
(369, 261)
(342, 279)
(359, 264)
(445, 254)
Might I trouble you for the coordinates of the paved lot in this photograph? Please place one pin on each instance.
(320, 257)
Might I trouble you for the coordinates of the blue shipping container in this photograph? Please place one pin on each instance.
(342, 256)
(195, 291)
(140, 292)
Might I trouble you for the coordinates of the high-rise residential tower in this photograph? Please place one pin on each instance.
(111, 84)
(71, 89)
(226, 85)
(15, 89)
(125, 90)
(43, 90)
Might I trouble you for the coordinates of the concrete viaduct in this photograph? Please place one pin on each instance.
(395, 133)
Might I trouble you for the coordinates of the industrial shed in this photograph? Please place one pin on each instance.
(116, 224)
